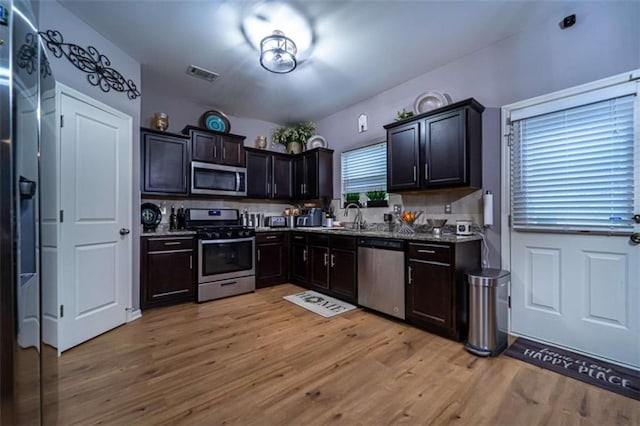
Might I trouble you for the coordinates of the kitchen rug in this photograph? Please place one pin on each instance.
(614, 378)
(319, 303)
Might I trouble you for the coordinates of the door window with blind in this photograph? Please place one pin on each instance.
(364, 170)
(572, 163)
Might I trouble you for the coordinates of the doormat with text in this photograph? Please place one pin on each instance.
(611, 377)
(319, 303)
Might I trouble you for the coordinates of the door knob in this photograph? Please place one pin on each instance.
(636, 218)
(635, 238)
(124, 231)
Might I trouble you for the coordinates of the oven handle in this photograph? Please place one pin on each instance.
(237, 240)
(237, 181)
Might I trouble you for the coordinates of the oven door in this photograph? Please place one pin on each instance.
(225, 259)
(215, 179)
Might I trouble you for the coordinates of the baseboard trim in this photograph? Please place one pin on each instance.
(133, 314)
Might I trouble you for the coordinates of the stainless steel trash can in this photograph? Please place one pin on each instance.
(488, 310)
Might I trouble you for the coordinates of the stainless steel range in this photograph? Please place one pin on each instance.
(226, 253)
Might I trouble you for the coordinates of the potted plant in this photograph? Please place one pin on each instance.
(377, 199)
(352, 197)
(294, 137)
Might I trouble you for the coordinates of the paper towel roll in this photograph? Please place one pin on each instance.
(487, 200)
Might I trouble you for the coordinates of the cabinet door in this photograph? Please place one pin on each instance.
(165, 161)
(270, 264)
(429, 293)
(282, 177)
(299, 177)
(258, 174)
(402, 157)
(232, 151)
(205, 147)
(344, 273)
(169, 278)
(299, 257)
(444, 150)
(319, 267)
(311, 171)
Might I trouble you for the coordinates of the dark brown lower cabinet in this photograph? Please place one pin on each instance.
(333, 266)
(344, 274)
(167, 271)
(298, 259)
(319, 261)
(272, 258)
(436, 288)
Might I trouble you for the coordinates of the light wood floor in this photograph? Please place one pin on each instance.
(257, 359)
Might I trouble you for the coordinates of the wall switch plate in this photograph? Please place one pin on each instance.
(447, 208)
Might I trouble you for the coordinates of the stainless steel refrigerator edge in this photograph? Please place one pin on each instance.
(24, 75)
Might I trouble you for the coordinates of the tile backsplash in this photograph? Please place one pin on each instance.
(465, 205)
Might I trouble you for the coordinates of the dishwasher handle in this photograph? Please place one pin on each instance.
(382, 243)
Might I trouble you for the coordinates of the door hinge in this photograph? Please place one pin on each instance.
(61, 120)
(61, 216)
(61, 311)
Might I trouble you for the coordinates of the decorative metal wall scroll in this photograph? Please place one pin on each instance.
(90, 61)
(28, 54)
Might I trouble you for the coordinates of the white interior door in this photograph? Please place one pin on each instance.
(95, 176)
(575, 272)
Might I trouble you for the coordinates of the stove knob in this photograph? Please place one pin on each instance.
(216, 234)
(229, 233)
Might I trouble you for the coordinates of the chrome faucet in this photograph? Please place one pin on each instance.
(358, 222)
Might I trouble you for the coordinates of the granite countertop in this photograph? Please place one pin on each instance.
(167, 233)
(418, 236)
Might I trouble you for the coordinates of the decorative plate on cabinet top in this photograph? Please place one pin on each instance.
(430, 100)
(150, 216)
(215, 120)
(316, 141)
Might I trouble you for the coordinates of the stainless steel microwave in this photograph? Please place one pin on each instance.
(216, 179)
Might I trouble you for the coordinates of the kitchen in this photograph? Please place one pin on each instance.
(474, 76)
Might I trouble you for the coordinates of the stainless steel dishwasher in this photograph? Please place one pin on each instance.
(381, 275)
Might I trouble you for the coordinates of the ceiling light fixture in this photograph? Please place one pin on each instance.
(278, 53)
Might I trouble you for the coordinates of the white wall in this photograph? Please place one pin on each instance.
(605, 41)
(54, 16)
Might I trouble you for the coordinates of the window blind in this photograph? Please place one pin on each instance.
(365, 169)
(573, 170)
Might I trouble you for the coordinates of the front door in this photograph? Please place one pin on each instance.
(575, 188)
(96, 148)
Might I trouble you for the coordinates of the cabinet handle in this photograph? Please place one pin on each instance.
(304, 255)
(302, 188)
(191, 262)
(326, 259)
(333, 260)
(415, 174)
(410, 273)
(258, 255)
(215, 151)
(224, 152)
(268, 188)
(275, 188)
(173, 243)
(271, 237)
(426, 251)
(426, 171)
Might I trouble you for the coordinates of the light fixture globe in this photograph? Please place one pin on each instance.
(278, 53)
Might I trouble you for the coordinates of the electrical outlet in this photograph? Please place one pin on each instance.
(397, 208)
(447, 208)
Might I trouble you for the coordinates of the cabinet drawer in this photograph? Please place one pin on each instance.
(431, 252)
(319, 240)
(272, 237)
(299, 238)
(169, 244)
(343, 242)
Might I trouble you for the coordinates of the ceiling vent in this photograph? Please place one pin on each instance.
(207, 75)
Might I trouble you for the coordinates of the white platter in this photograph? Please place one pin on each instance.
(428, 101)
(316, 141)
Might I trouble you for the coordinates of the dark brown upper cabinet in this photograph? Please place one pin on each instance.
(214, 147)
(438, 149)
(269, 175)
(313, 174)
(165, 163)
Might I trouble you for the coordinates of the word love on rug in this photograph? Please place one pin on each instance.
(319, 303)
(615, 378)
